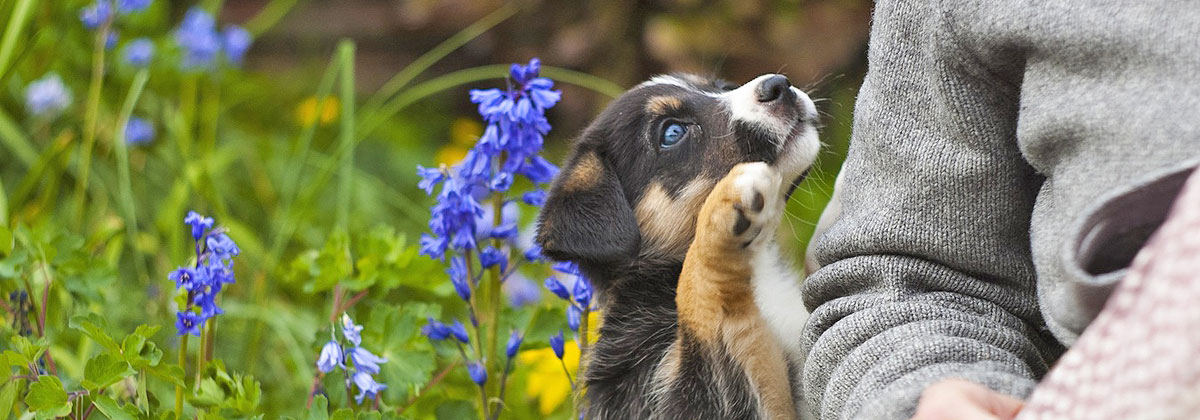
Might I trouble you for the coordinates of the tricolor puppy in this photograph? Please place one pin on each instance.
(670, 202)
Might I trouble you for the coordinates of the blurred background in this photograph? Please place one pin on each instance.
(92, 225)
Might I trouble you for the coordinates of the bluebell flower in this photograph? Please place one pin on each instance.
(582, 291)
(521, 291)
(567, 267)
(539, 170)
(139, 131)
(139, 52)
(222, 247)
(557, 288)
(365, 360)
(197, 36)
(430, 177)
(460, 332)
(47, 96)
(433, 246)
(367, 387)
(506, 231)
(514, 344)
(203, 281)
(534, 198)
(556, 344)
(436, 330)
(235, 41)
(96, 14)
(477, 372)
(199, 224)
(110, 42)
(534, 253)
(352, 331)
(573, 315)
(490, 256)
(184, 278)
(132, 6)
(188, 322)
(331, 357)
(501, 182)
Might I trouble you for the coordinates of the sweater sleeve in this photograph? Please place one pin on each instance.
(927, 273)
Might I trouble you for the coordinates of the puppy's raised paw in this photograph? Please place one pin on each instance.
(743, 205)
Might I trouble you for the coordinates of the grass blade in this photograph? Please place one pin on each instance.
(122, 149)
(16, 24)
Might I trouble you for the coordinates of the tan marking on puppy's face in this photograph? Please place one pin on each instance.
(587, 172)
(668, 224)
(663, 105)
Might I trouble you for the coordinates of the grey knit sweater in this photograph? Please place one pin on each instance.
(977, 236)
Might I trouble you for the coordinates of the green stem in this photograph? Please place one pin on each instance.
(90, 119)
(183, 342)
(127, 203)
(200, 357)
(346, 137)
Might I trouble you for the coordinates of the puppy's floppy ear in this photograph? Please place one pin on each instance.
(586, 216)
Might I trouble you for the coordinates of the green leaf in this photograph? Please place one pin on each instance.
(95, 327)
(47, 399)
(455, 410)
(170, 373)
(343, 414)
(208, 394)
(140, 352)
(319, 409)
(8, 397)
(103, 370)
(111, 409)
(368, 415)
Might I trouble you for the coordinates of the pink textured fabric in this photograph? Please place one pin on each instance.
(1140, 357)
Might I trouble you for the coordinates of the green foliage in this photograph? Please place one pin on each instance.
(47, 399)
(327, 214)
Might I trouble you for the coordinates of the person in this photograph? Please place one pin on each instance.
(977, 238)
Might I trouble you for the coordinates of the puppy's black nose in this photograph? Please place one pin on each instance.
(773, 88)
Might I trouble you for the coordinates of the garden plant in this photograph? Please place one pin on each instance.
(183, 238)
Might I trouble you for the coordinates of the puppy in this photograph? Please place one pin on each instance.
(669, 202)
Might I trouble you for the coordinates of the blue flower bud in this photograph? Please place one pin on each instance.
(436, 330)
(138, 131)
(460, 332)
(573, 315)
(557, 288)
(514, 344)
(556, 344)
(491, 256)
(478, 373)
(352, 331)
(534, 198)
(582, 291)
(199, 224)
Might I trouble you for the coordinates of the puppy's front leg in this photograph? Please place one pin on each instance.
(719, 324)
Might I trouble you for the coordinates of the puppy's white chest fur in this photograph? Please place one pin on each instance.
(777, 294)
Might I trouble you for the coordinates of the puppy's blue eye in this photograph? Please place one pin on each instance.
(673, 134)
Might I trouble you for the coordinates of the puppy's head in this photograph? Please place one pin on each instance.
(634, 183)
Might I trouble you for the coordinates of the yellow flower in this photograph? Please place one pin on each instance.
(546, 380)
(464, 132)
(306, 112)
